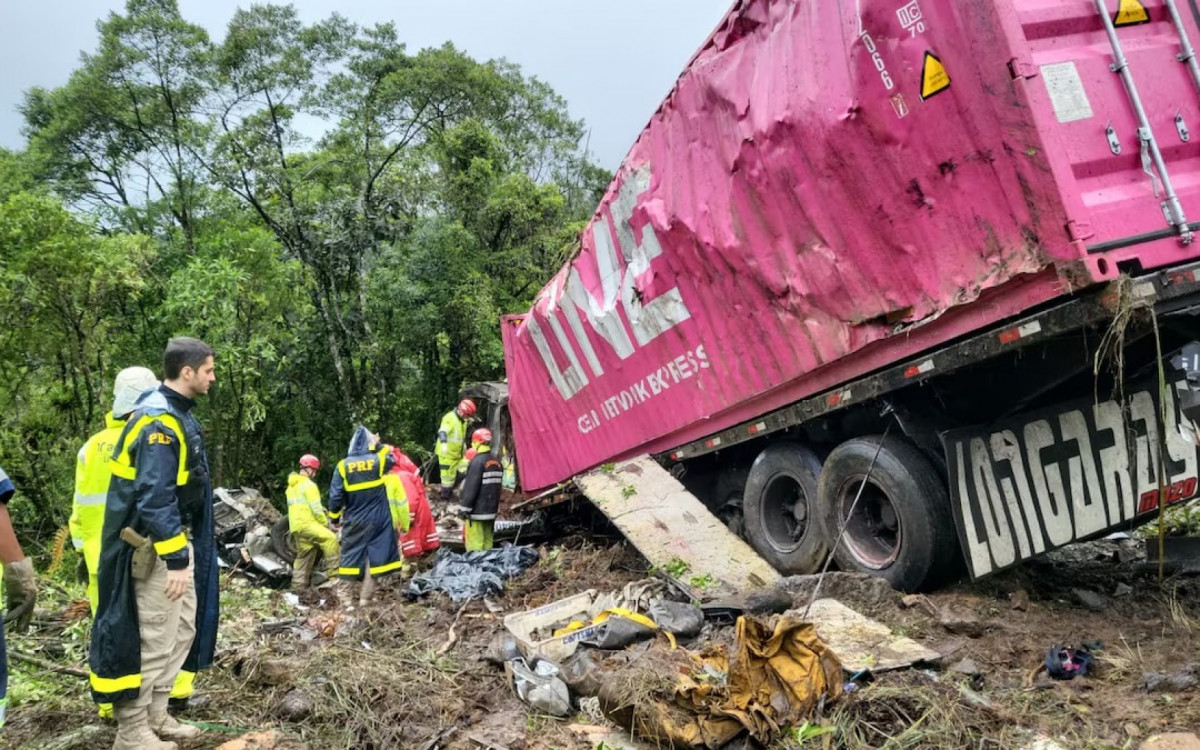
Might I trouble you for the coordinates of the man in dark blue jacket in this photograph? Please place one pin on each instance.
(358, 499)
(157, 608)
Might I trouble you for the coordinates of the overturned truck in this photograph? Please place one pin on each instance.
(960, 224)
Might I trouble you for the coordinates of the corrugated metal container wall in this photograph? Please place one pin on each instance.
(832, 186)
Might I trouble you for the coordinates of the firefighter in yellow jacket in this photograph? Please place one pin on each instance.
(452, 433)
(92, 476)
(309, 524)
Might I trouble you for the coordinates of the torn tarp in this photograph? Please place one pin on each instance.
(777, 678)
(472, 575)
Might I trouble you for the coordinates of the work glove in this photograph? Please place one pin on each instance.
(81, 571)
(20, 588)
(462, 511)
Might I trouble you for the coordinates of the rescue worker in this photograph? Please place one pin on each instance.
(422, 535)
(480, 501)
(92, 477)
(365, 503)
(309, 525)
(92, 474)
(397, 497)
(20, 586)
(449, 449)
(157, 610)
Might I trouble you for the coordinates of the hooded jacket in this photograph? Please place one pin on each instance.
(92, 478)
(160, 487)
(359, 497)
(422, 534)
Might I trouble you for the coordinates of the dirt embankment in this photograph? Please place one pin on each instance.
(394, 675)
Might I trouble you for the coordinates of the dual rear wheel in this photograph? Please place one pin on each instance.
(900, 527)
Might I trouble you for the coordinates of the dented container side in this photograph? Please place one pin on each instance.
(825, 186)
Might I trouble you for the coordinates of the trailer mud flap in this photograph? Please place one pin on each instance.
(1080, 470)
(672, 529)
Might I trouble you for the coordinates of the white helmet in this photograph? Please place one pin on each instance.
(131, 383)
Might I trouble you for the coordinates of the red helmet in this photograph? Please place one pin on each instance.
(482, 435)
(466, 407)
(309, 461)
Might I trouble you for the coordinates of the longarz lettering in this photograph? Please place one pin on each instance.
(1043, 481)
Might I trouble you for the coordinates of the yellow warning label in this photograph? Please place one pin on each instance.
(934, 78)
(1131, 13)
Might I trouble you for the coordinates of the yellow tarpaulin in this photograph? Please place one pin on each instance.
(774, 680)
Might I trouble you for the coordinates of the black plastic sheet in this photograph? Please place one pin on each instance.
(472, 575)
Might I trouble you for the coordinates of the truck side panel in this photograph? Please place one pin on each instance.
(826, 185)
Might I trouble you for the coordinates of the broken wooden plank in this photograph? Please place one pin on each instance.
(667, 524)
(862, 643)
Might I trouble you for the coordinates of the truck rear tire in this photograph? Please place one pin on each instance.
(901, 528)
(282, 542)
(780, 505)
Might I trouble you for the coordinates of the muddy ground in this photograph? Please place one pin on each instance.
(391, 675)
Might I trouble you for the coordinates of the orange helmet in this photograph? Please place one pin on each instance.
(482, 435)
(466, 407)
(309, 461)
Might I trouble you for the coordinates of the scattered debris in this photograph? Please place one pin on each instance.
(776, 678)
(772, 601)
(961, 622)
(1019, 600)
(525, 626)
(253, 538)
(375, 678)
(967, 667)
(295, 706)
(1172, 682)
(541, 686)
(862, 643)
(473, 575)
(1123, 589)
(677, 618)
(667, 523)
(1067, 663)
(1092, 600)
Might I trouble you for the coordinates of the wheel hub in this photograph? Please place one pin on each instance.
(873, 533)
(785, 512)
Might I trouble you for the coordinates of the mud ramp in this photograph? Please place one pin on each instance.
(667, 523)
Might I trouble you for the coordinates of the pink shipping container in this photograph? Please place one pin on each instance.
(832, 187)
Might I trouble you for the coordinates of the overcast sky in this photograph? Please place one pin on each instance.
(613, 61)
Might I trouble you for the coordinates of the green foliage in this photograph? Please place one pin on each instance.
(676, 568)
(358, 275)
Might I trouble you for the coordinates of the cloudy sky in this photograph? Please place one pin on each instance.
(614, 60)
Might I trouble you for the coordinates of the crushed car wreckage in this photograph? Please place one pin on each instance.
(253, 539)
